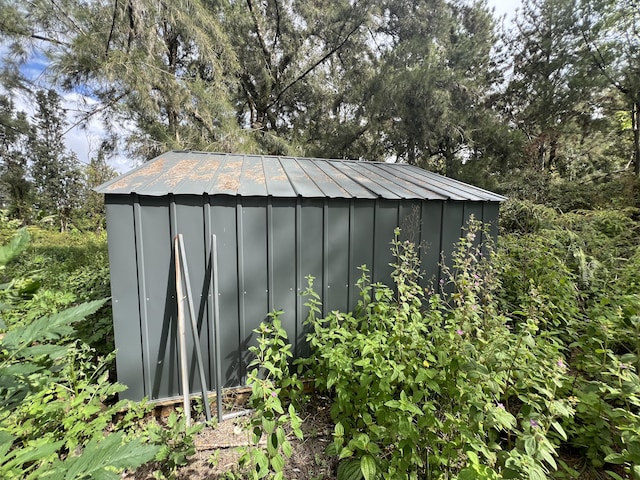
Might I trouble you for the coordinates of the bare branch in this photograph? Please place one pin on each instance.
(600, 62)
(94, 111)
(315, 65)
(35, 36)
(113, 25)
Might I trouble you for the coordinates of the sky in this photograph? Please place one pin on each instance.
(86, 140)
(505, 7)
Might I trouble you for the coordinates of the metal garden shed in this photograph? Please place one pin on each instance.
(276, 220)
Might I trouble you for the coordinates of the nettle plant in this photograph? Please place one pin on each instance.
(442, 385)
(579, 273)
(272, 390)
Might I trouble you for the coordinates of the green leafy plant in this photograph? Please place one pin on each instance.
(432, 387)
(175, 441)
(56, 402)
(271, 385)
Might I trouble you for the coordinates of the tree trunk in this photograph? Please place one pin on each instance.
(635, 124)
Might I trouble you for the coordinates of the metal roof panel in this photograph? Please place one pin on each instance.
(196, 173)
(252, 181)
(278, 184)
(300, 181)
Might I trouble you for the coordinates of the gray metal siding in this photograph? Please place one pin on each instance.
(223, 222)
(361, 244)
(125, 305)
(337, 263)
(385, 221)
(282, 268)
(266, 246)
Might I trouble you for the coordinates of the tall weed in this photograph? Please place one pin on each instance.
(433, 387)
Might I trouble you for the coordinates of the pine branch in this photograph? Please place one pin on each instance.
(35, 36)
(68, 17)
(328, 55)
(113, 25)
(263, 45)
(95, 111)
(600, 63)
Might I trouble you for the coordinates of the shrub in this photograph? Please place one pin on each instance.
(439, 386)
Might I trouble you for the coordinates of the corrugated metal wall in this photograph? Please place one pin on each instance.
(266, 247)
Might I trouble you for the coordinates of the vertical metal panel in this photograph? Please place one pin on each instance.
(223, 222)
(452, 223)
(410, 217)
(338, 255)
(386, 220)
(208, 244)
(351, 289)
(283, 269)
(142, 294)
(325, 258)
(254, 251)
(126, 307)
(270, 247)
(158, 282)
(431, 241)
(311, 247)
(300, 280)
(242, 332)
(189, 222)
(475, 209)
(362, 228)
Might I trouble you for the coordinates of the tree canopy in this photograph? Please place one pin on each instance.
(554, 97)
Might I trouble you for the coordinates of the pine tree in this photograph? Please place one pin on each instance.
(56, 173)
(15, 189)
(610, 30)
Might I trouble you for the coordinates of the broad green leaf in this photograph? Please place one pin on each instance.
(27, 454)
(268, 425)
(277, 463)
(615, 458)
(17, 244)
(614, 475)
(52, 327)
(467, 474)
(530, 445)
(346, 452)
(101, 460)
(349, 470)
(368, 467)
(286, 449)
(558, 428)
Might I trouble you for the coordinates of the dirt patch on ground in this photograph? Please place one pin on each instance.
(218, 448)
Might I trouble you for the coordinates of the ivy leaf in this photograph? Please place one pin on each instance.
(558, 428)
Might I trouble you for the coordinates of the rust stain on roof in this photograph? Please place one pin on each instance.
(237, 174)
(229, 178)
(177, 173)
(255, 173)
(134, 180)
